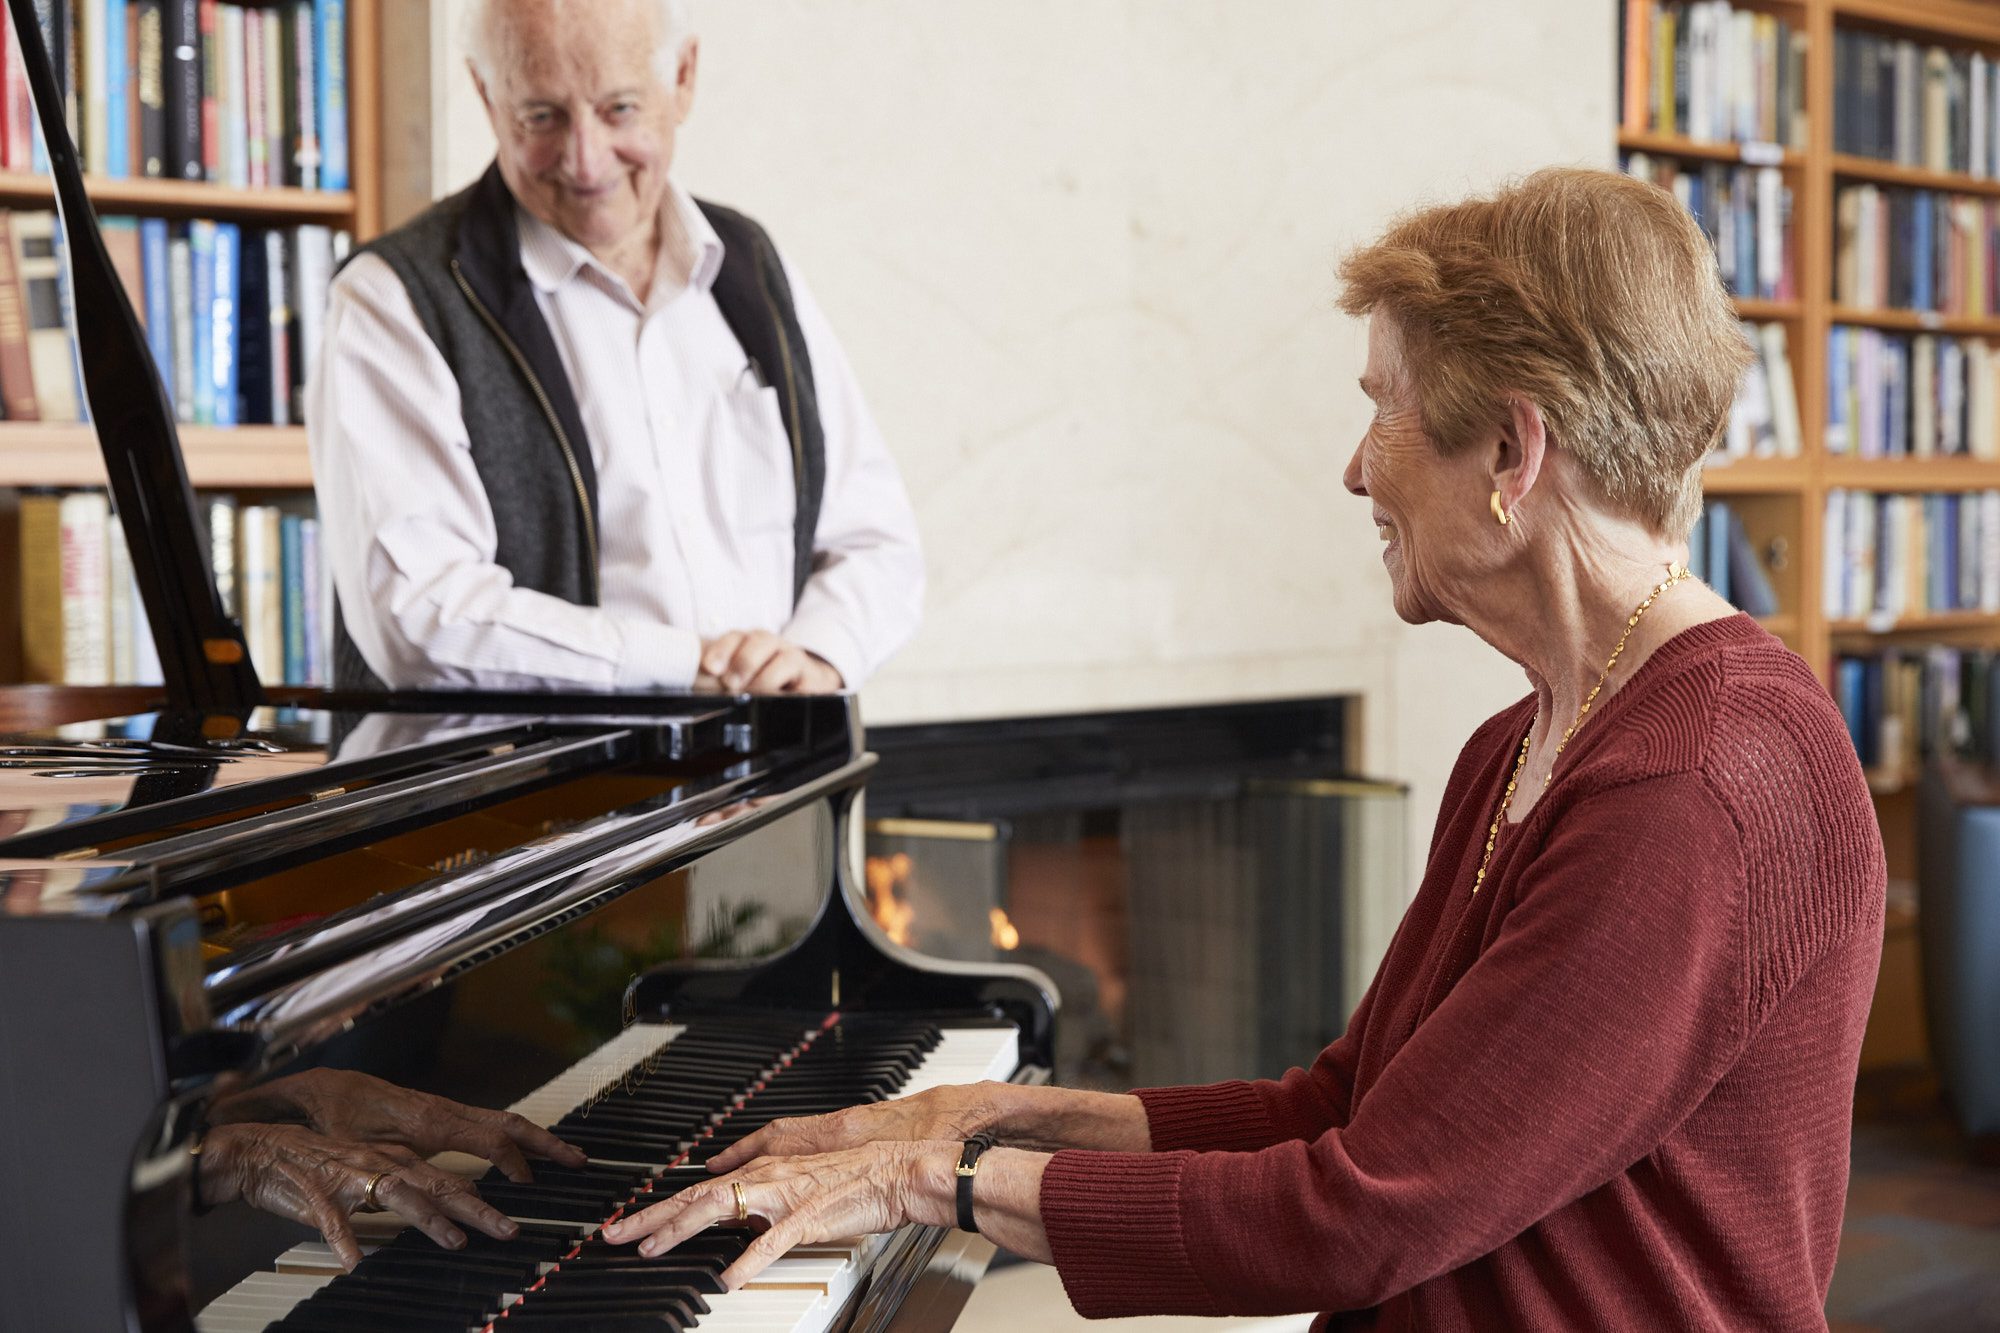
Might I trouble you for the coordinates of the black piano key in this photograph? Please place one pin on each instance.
(635, 1321)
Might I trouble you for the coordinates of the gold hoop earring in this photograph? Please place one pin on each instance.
(1499, 513)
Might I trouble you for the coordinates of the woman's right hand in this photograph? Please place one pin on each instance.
(955, 1112)
(294, 1172)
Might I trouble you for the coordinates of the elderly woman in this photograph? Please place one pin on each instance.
(1603, 1078)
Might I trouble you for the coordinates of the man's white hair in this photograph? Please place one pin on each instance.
(671, 21)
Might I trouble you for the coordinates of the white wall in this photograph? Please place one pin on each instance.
(1082, 254)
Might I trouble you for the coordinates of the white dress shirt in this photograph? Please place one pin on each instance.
(695, 487)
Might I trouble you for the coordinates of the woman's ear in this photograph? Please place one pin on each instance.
(1519, 451)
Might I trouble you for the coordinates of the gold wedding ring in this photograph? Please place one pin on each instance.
(368, 1198)
(742, 1204)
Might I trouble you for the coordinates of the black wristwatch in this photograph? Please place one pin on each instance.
(968, 1167)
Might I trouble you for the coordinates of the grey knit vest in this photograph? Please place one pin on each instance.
(460, 262)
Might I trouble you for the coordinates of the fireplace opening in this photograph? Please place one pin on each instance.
(1187, 878)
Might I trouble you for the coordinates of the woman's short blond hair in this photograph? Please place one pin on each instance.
(1588, 293)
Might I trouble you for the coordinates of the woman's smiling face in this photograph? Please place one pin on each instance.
(1424, 502)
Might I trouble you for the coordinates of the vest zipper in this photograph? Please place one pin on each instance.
(555, 422)
(792, 417)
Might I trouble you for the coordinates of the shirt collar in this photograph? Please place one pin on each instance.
(691, 252)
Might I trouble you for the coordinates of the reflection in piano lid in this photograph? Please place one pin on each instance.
(629, 917)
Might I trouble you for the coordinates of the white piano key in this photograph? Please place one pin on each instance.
(257, 1301)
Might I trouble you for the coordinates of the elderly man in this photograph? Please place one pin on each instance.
(572, 427)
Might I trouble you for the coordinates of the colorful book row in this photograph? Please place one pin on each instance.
(83, 621)
(1891, 556)
(232, 314)
(1900, 395)
(1711, 71)
(1900, 249)
(1918, 106)
(1904, 706)
(248, 95)
(1747, 213)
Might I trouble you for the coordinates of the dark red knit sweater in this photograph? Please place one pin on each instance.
(1612, 1091)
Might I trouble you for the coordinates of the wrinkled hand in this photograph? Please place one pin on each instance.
(359, 1108)
(852, 1192)
(293, 1172)
(760, 662)
(952, 1113)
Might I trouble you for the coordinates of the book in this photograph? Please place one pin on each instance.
(224, 324)
(86, 518)
(180, 300)
(201, 246)
(232, 93)
(253, 336)
(256, 131)
(281, 325)
(303, 119)
(154, 267)
(181, 46)
(17, 376)
(41, 587)
(330, 79)
(212, 77)
(292, 600)
(1747, 577)
(110, 90)
(277, 140)
(17, 109)
(50, 349)
(150, 84)
(219, 513)
(121, 243)
(121, 652)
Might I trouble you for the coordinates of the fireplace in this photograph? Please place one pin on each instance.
(1187, 877)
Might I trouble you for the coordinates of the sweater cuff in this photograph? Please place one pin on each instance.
(1215, 1117)
(1114, 1228)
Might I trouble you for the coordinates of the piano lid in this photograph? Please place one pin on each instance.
(203, 658)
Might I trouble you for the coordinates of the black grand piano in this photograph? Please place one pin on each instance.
(633, 919)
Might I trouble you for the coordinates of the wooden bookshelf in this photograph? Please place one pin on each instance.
(1794, 491)
(1710, 150)
(257, 460)
(218, 458)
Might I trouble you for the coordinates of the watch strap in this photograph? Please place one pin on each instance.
(968, 1167)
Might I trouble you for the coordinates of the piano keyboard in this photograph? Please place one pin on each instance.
(649, 1107)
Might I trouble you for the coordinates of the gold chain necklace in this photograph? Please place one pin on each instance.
(1675, 573)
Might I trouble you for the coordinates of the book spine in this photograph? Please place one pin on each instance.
(253, 336)
(221, 513)
(41, 588)
(257, 139)
(17, 374)
(292, 568)
(121, 655)
(86, 603)
(299, 29)
(111, 97)
(330, 53)
(277, 136)
(211, 91)
(154, 265)
(312, 579)
(223, 321)
(17, 153)
(180, 297)
(151, 88)
(181, 50)
(278, 292)
(201, 238)
(234, 95)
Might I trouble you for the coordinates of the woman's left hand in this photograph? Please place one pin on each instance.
(856, 1191)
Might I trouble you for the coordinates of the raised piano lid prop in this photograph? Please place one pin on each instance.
(581, 908)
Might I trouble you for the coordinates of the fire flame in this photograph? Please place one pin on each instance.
(1004, 934)
(885, 875)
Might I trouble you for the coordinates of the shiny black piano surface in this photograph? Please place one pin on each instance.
(462, 904)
